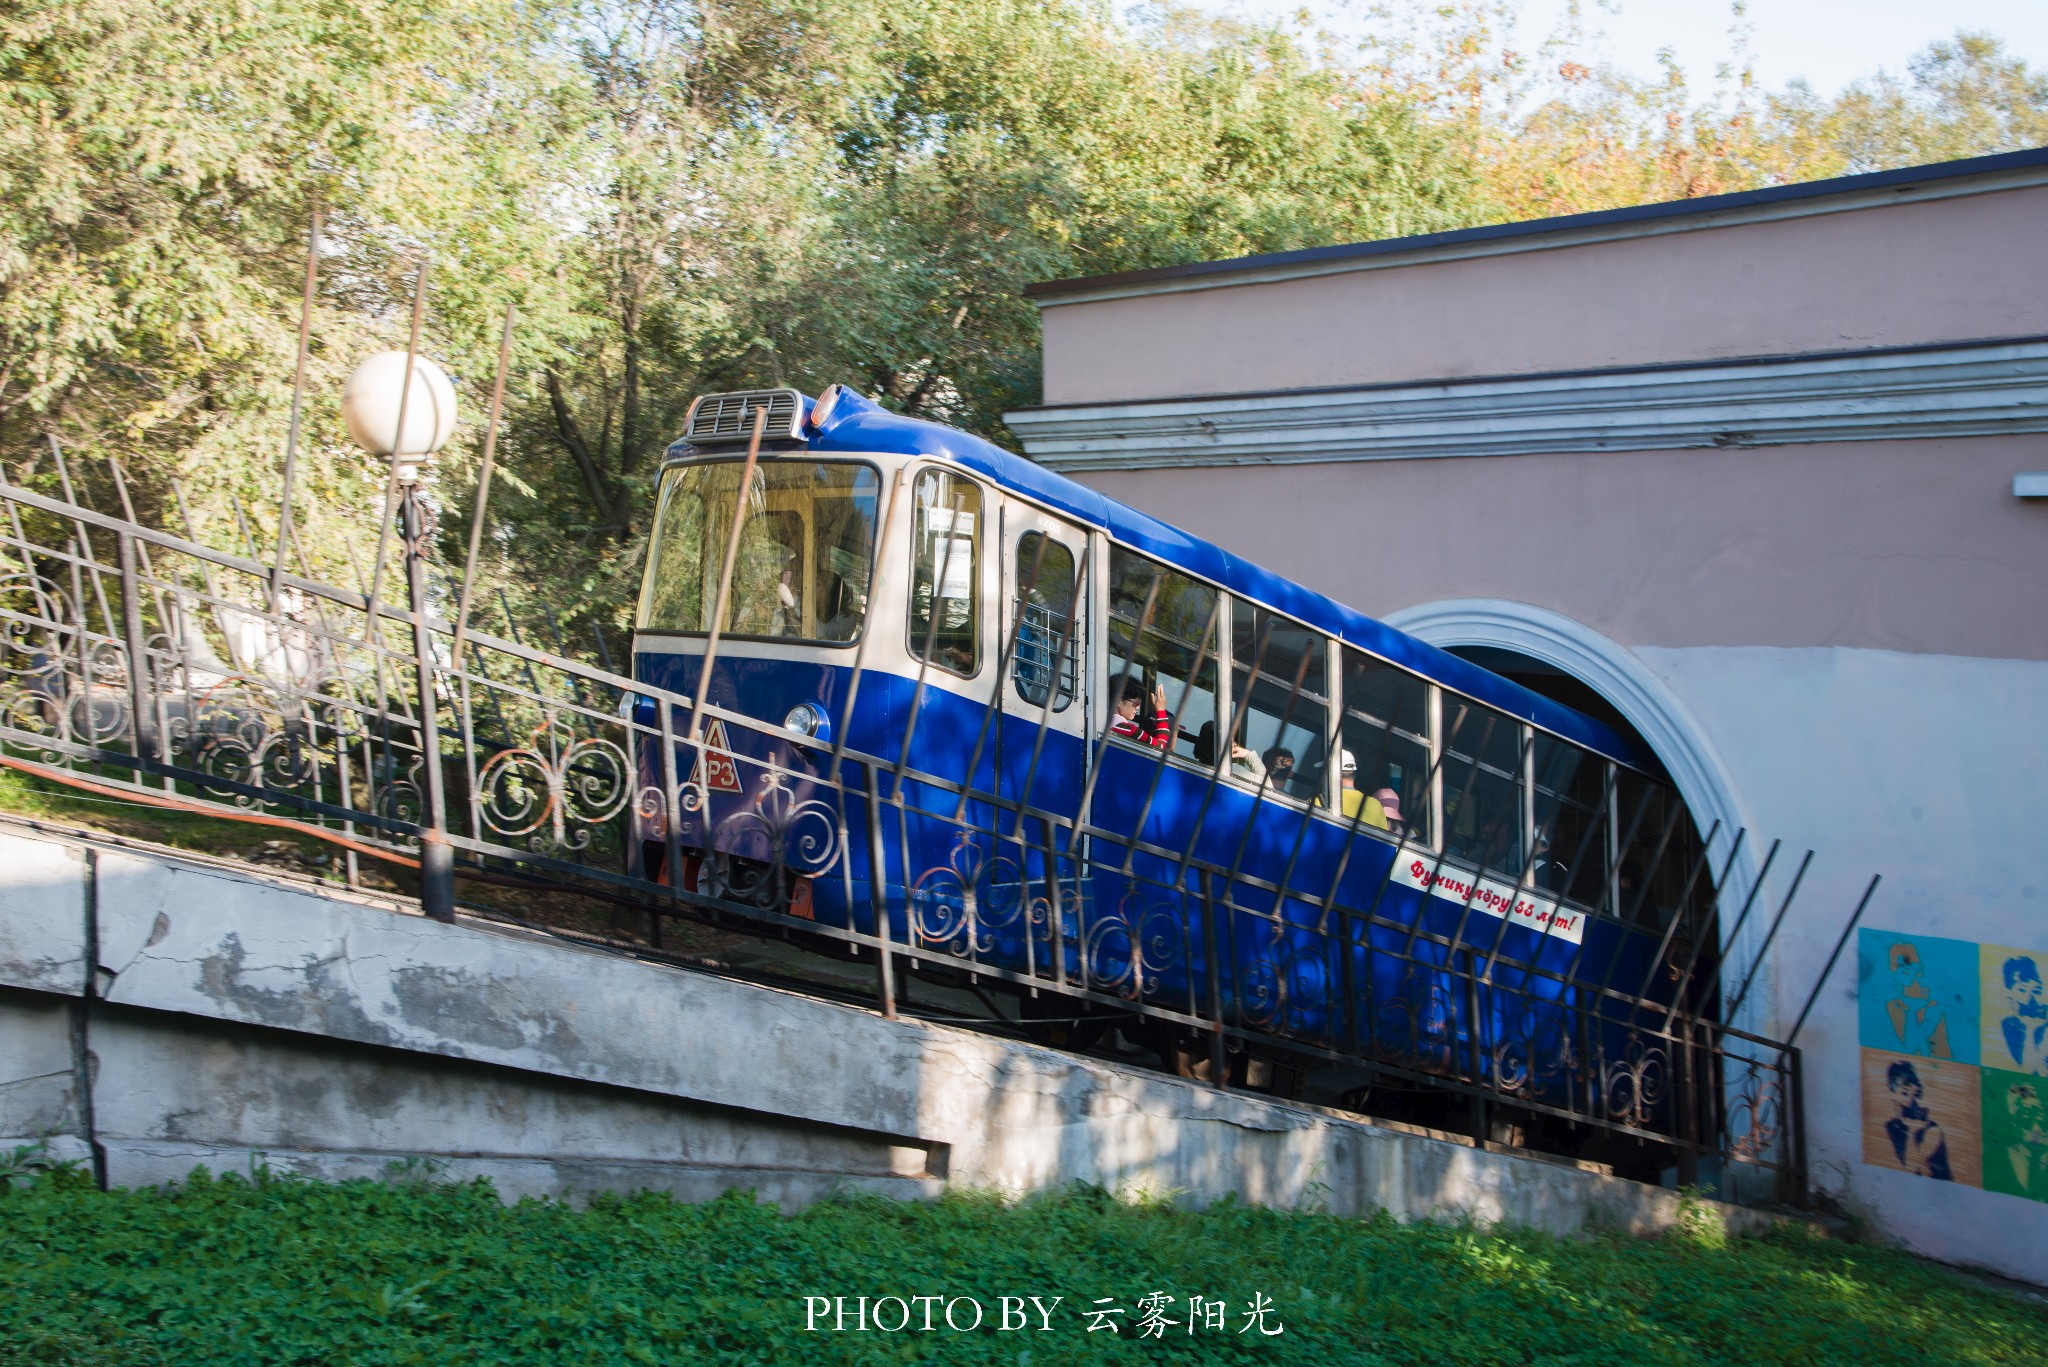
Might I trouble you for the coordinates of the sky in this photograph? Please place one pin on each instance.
(1828, 42)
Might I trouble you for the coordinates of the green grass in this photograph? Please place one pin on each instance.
(26, 795)
(288, 1271)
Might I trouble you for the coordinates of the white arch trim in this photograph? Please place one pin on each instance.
(1617, 675)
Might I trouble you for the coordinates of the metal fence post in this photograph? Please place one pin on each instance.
(878, 893)
(141, 690)
(437, 856)
(1219, 1063)
(1795, 1098)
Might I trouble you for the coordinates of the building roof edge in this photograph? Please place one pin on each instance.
(1531, 234)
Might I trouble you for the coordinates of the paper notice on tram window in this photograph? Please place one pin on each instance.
(957, 562)
(937, 520)
(1491, 897)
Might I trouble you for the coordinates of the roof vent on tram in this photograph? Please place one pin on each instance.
(719, 418)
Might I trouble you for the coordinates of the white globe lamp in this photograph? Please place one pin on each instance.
(373, 397)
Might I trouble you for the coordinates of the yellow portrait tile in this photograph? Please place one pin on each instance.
(2013, 1009)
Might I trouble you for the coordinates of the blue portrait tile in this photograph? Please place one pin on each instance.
(1917, 995)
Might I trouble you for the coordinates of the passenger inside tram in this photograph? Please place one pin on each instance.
(1133, 723)
(1390, 808)
(767, 582)
(1364, 808)
(1546, 870)
(845, 624)
(1245, 764)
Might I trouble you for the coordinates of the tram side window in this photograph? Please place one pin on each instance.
(1047, 643)
(1384, 733)
(1660, 855)
(1277, 670)
(846, 554)
(1171, 647)
(1482, 783)
(1568, 853)
(945, 569)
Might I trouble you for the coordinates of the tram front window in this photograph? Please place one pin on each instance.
(805, 551)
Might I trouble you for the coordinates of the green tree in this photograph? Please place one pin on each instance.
(1963, 97)
(158, 166)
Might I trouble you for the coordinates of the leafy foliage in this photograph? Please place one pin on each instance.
(276, 1270)
(679, 195)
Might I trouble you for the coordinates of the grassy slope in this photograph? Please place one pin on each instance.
(223, 1271)
(32, 797)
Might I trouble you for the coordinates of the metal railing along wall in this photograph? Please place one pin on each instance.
(143, 664)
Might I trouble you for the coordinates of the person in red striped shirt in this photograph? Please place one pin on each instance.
(1130, 721)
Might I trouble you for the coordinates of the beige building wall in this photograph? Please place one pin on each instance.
(1936, 271)
(1906, 545)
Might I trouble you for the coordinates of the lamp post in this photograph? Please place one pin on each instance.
(401, 406)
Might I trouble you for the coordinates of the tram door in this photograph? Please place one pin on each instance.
(1046, 711)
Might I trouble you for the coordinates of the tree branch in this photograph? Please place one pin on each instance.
(603, 496)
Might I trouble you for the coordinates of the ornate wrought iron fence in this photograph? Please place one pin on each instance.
(144, 664)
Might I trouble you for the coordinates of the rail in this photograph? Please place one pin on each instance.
(175, 674)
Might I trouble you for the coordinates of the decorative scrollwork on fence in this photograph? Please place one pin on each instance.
(1756, 1111)
(1415, 1026)
(949, 903)
(1633, 1085)
(553, 791)
(776, 826)
(37, 624)
(1129, 951)
(50, 690)
(1532, 1044)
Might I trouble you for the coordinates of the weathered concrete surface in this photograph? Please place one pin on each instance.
(42, 916)
(177, 1093)
(39, 1091)
(232, 1014)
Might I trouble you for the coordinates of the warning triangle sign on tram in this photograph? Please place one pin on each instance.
(716, 767)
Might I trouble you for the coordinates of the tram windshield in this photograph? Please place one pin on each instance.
(805, 556)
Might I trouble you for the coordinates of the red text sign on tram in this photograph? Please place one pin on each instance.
(716, 767)
(1493, 898)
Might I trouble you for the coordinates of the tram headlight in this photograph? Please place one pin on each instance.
(808, 719)
(638, 709)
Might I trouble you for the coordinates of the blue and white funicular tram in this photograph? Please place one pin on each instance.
(1345, 839)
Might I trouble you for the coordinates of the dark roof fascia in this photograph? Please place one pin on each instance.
(1903, 177)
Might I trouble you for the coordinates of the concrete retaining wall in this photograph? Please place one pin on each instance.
(227, 1014)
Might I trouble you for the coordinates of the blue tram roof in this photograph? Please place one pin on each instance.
(856, 425)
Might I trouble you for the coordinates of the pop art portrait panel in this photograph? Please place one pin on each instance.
(2015, 1112)
(1917, 995)
(1922, 1116)
(2014, 1009)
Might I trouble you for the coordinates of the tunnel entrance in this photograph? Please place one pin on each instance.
(1682, 882)
(1680, 885)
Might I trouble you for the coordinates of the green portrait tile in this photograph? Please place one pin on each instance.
(2014, 1121)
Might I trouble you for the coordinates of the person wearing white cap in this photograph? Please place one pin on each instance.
(1353, 801)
